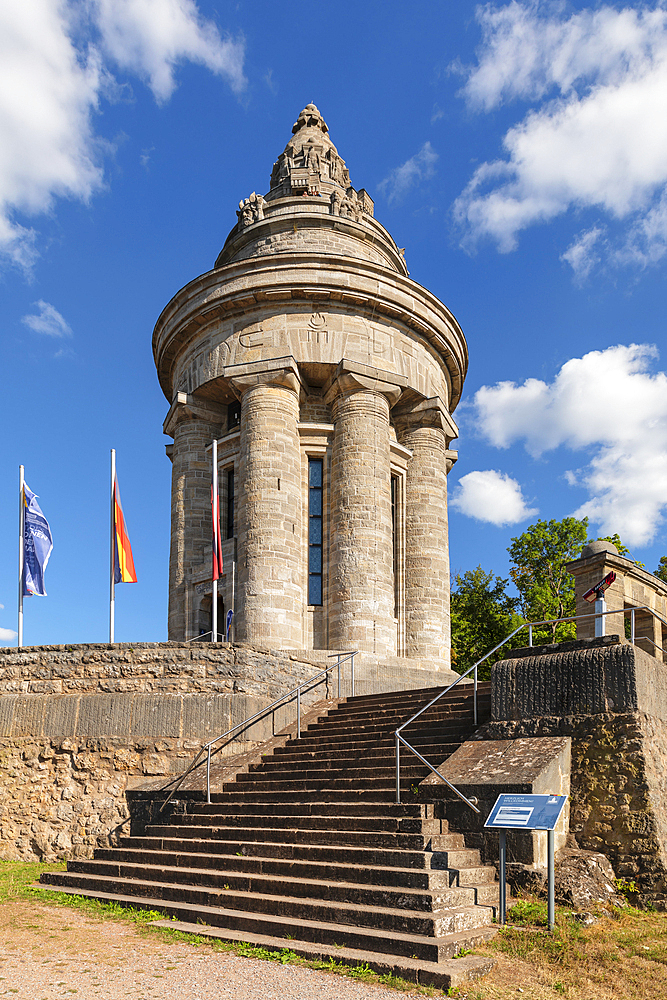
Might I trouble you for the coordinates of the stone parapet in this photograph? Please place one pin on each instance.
(597, 676)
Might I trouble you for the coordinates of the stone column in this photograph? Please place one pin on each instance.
(193, 427)
(270, 557)
(422, 429)
(361, 585)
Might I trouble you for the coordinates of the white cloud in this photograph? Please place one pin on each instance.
(419, 167)
(7, 635)
(150, 37)
(597, 139)
(583, 254)
(48, 321)
(53, 75)
(608, 404)
(491, 496)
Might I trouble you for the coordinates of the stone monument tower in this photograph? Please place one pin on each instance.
(328, 378)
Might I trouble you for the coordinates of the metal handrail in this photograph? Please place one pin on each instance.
(529, 625)
(240, 726)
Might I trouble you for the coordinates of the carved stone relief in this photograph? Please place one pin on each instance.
(317, 329)
(251, 210)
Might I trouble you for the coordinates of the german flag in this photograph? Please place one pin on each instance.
(123, 567)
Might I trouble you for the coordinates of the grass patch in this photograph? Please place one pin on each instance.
(622, 956)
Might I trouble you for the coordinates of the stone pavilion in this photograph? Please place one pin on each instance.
(328, 377)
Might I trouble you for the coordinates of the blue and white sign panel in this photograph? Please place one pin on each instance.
(526, 812)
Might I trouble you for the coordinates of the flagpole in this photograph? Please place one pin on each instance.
(112, 560)
(21, 551)
(216, 520)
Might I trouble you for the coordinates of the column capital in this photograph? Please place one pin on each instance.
(351, 377)
(425, 413)
(186, 407)
(282, 372)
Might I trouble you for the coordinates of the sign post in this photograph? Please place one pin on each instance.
(526, 812)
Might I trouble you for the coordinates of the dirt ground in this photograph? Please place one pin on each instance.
(48, 952)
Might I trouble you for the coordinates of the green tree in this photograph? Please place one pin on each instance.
(546, 589)
(661, 571)
(482, 615)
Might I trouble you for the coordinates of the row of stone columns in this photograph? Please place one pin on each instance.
(361, 584)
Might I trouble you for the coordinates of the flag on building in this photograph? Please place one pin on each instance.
(217, 537)
(37, 545)
(123, 567)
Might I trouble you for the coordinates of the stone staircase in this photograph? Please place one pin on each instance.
(308, 850)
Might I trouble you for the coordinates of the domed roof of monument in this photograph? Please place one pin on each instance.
(310, 180)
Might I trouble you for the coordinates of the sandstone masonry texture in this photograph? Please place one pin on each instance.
(309, 320)
(610, 698)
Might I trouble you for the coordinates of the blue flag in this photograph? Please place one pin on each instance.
(37, 545)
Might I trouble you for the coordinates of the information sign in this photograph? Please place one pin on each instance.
(526, 812)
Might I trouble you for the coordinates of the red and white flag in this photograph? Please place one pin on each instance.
(217, 537)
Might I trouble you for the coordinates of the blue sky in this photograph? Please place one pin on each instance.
(517, 151)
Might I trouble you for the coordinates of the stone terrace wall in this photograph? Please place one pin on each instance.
(80, 725)
(609, 697)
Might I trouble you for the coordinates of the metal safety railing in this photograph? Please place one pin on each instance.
(400, 739)
(235, 731)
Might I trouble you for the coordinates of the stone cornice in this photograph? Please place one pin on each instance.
(285, 279)
(283, 372)
(426, 413)
(350, 377)
(186, 407)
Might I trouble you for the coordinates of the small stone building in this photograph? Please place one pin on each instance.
(633, 587)
(328, 378)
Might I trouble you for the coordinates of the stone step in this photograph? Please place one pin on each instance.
(299, 782)
(326, 794)
(439, 712)
(358, 824)
(447, 975)
(386, 753)
(337, 739)
(236, 835)
(310, 888)
(400, 942)
(308, 771)
(372, 810)
(298, 851)
(371, 729)
(422, 696)
(286, 870)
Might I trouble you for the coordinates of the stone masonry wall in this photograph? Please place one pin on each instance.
(81, 725)
(610, 698)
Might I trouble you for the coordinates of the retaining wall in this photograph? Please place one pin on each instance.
(80, 725)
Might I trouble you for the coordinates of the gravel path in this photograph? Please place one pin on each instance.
(48, 952)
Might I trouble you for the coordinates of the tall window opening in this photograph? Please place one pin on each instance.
(315, 469)
(229, 533)
(394, 540)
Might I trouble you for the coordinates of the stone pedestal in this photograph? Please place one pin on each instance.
(427, 626)
(361, 574)
(270, 607)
